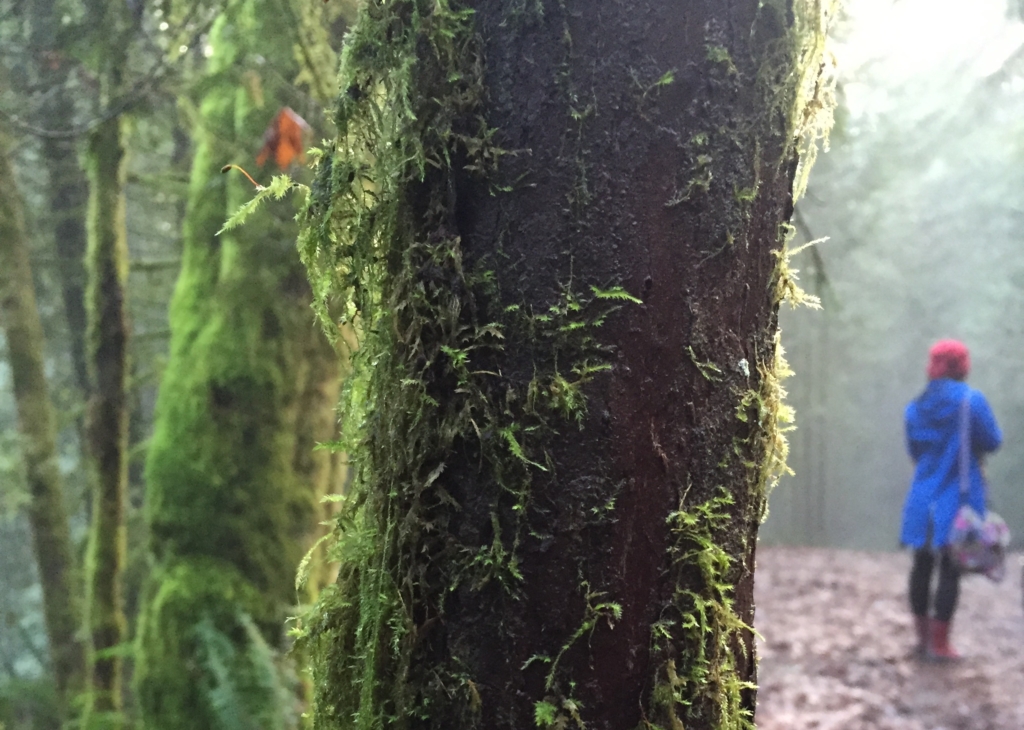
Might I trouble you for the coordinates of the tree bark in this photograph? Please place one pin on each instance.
(51, 538)
(559, 485)
(67, 188)
(107, 335)
(107, 420)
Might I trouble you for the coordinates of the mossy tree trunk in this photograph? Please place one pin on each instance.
(232, 482)
(563, 225)
(107, 358)
(51, 539)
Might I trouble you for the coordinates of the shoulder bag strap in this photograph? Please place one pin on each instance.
(965, 447)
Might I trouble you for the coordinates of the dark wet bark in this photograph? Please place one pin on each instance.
(107, 358)
(107, 420)
(646, 144)
(51, 539)
(662, 432)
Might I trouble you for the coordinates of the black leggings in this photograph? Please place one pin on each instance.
(946, 593)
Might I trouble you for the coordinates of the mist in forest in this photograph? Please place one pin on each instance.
(920, 198)
(118, 121)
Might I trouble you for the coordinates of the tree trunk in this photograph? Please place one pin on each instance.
(559, 486)
(67, 188)
(233, 485)
(106, 428)
(68, 193)
(51, 538)
(107, 422)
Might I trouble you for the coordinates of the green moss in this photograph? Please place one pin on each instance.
(378, 236)
(797, 76)
(720, 55)
(702, 619)
(226, 481)
(192, 603)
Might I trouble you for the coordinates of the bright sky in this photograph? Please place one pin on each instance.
(919, 42)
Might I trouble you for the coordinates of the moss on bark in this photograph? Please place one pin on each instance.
(107, 419)
(232, 483)
(556, 506)
(51, 538)
(106, 348)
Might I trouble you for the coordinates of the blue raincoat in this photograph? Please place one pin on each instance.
(933, 439)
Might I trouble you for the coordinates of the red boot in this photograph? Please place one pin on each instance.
(922, 626)
(939, 648)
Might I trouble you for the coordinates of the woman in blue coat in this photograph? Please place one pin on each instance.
(933, 439)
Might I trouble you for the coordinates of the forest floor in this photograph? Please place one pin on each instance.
(836, 652)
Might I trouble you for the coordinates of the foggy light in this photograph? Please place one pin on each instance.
(207, 50)
(165, 25)
(182, 48)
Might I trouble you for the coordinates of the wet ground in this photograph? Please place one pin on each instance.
(837, 640)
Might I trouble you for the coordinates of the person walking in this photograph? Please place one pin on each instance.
(933, 439)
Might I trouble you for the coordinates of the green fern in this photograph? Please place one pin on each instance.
(616, 292)
(280, 186)
(243, 680)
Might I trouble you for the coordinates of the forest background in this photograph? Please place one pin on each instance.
(139, 96)
(913, 195)
(919, 198)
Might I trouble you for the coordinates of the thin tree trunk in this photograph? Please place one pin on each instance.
(68, 193)
(559, 485)
(107, 422)
(67, 188)
(50, 535)
(107, 357)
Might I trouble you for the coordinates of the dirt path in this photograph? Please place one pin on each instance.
(836, 653)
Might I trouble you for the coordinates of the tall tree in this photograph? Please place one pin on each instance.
(558, 485)
(111, 26)
(232, 481)
(67, 187)
(51, 538)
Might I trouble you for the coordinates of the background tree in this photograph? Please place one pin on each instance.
(558, 485)
(107, 356)
(67, 186)
(919, 201)
(233, 484)
(51, 537)
(168, 54)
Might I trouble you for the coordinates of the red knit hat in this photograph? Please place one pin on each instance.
(948, 359)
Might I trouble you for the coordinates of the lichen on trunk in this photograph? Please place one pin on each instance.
(561, 227)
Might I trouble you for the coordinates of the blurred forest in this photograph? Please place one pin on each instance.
(920, 198)
(116, 118)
